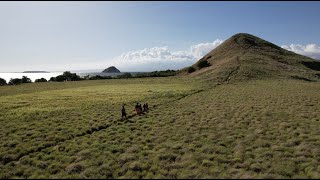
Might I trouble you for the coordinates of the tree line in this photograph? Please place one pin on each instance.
(68, 76)
(15, 81)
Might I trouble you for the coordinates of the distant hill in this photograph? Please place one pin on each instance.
(35, 72)
(111, 69)
(244, 56)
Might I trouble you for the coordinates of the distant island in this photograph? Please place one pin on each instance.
(35, 72)
(111, 69)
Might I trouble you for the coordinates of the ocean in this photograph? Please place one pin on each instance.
(34, 76)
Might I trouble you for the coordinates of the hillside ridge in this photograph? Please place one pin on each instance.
(111, 69)
(245, 57)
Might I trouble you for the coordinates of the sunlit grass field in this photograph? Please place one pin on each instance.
(253, 129)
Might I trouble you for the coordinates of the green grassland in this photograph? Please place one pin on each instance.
(256, 129)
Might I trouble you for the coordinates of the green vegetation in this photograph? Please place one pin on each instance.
(16, 81)
(125, 75)
(253, 114)
(191, 69)
(40, 80)
(66, 76)
(165, 73)
(203, 64)
(73, 129)
(2, 82)
(246, 57)
(97, 77)
(25, 79)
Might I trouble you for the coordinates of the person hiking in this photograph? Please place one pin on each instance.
(144, 108)
(123, 113)
(140, 108)
(137, 108)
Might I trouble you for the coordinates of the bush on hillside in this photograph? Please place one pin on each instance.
(66, 76)
(71, 76)
(53, 79)
(203, 64)
(191, 69)
(157, 74)
(15, 81)
(25, 79)
(125, 75)
(97, 77)
(3, 82)
(41, 80)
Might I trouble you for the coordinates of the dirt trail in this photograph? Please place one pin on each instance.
(233, 72)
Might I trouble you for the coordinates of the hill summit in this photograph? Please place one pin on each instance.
(244, 56)
(111, 69)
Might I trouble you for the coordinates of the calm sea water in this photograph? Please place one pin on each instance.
(34, 76)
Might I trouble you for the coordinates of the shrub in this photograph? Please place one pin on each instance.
(157, 74)
(25, 79)
(53, 79)
(41, 80)
(15, 81)
(97, 77)
(66, 76)
(71, 76)
(125, 75)
(2, 82)
(203, 64)
(61, 78)
(191, 69)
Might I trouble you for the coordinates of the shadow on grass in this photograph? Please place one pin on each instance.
(312, 65)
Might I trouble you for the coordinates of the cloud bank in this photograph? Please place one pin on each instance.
(310, 50)
(162, 58)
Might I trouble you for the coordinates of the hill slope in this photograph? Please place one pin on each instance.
(266, 129)
(244, 56)
(111, 69)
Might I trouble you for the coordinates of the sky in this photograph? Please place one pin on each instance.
(144, 36)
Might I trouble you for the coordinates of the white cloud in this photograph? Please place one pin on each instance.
(311, 50)
(202, 49)
(162, 58)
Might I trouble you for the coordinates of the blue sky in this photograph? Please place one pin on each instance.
(144, 36)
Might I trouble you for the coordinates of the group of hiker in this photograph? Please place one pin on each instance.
(137, 108)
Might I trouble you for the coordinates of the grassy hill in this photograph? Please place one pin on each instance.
(254, 113)
(258, 129)
(246, 57)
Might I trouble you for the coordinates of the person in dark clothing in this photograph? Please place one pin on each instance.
(147, 107)
(137, 108)
(144, 108)
(140, 107)
(123, 112)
